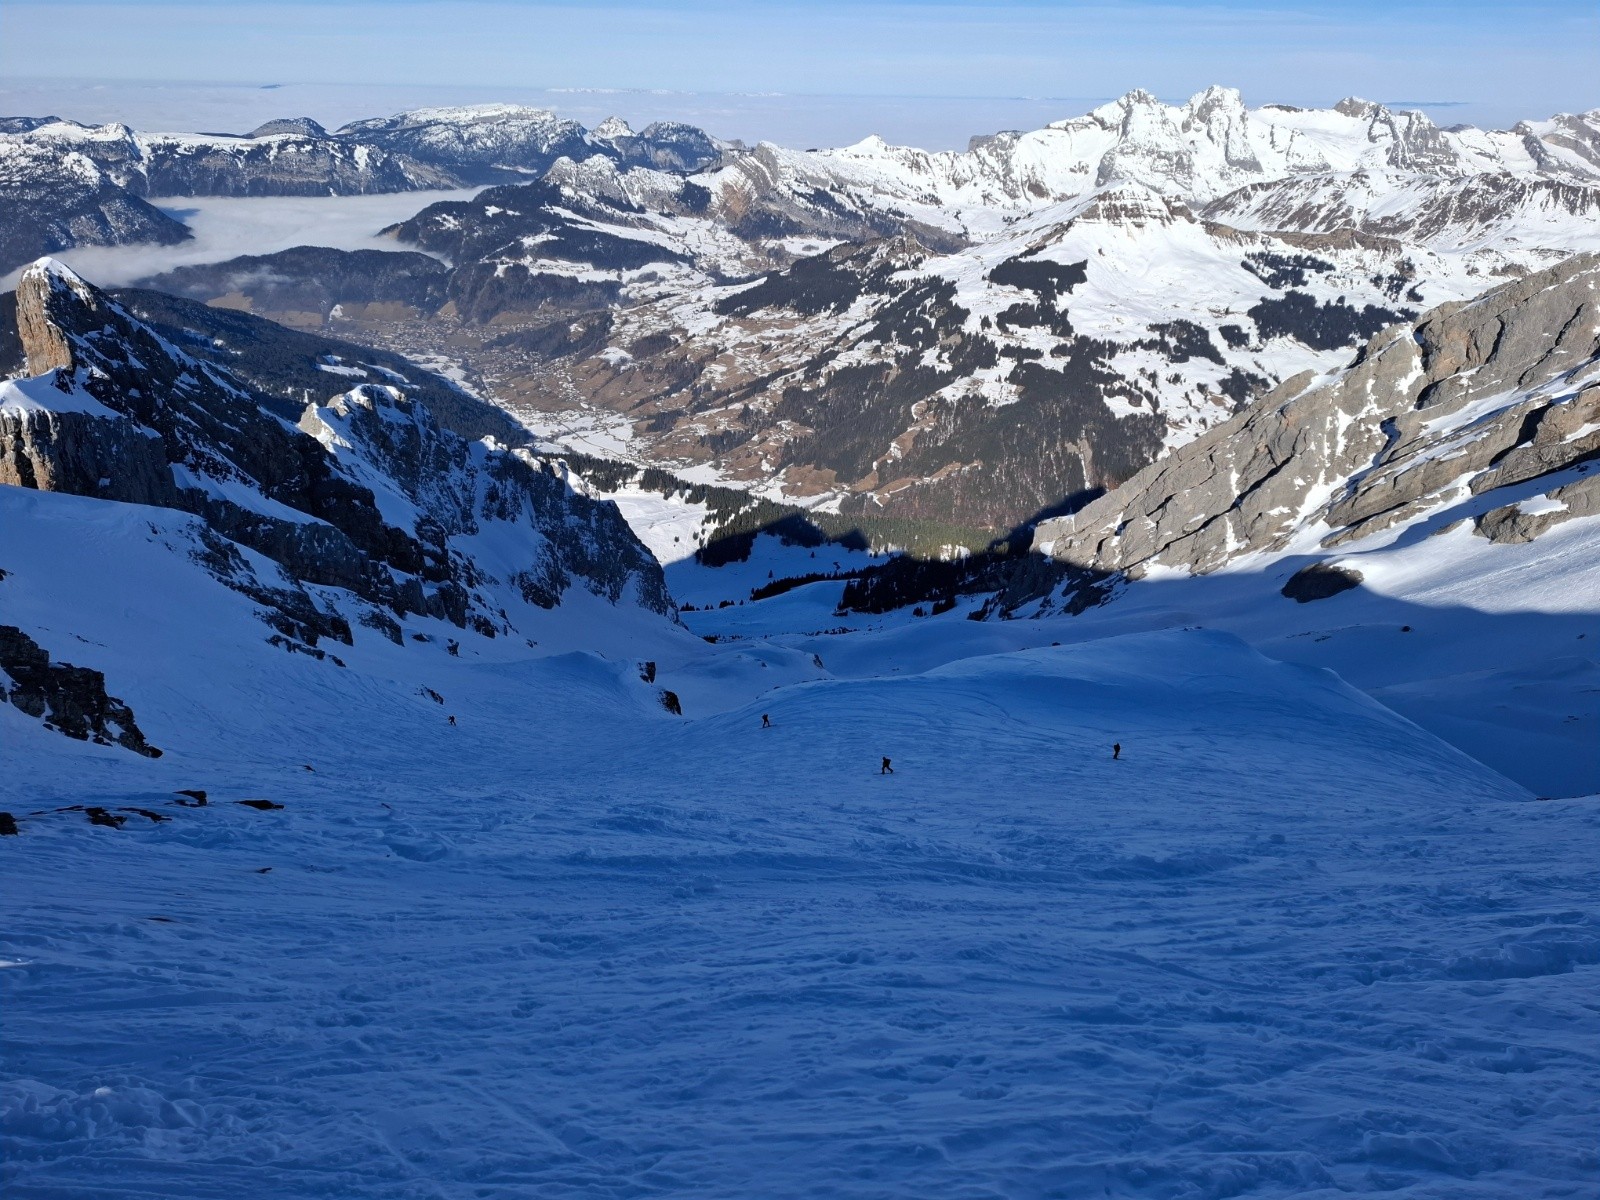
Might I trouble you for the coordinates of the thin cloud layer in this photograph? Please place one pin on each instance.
(228, 228)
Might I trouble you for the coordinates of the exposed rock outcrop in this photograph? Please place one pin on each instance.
(1469, 399)
(70, 699)
(80, 450)
(1320, 581)
(1525, 520)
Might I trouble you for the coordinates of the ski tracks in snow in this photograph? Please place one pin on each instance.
(1289, 945)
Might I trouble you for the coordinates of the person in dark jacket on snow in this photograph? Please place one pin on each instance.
(1116, 750)
(766, 721)
(886, 769)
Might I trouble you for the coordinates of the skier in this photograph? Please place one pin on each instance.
(1116, 750)
(452, 720)
(886, 769)
(766, 721)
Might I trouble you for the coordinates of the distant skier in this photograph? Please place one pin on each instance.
(454, 647)
(1116, 750)
(766, 721)
(886, 769)
(452, 720)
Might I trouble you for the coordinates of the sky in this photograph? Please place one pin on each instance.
(1489, 63)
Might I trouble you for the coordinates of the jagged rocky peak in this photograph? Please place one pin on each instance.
(1221, 114)
(1355, 106)
(1486, 411)
(1130, 204)
(1131, 106)
(51, 300)
(1216, 101)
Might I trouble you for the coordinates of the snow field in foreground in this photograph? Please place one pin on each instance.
(1289, 945)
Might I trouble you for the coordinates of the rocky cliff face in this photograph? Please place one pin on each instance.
(365, 514)
(1490, 407)
(66, 698)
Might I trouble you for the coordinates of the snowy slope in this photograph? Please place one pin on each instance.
(575, 946)
(1491, 647)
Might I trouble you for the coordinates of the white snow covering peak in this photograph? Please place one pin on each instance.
(612, 127)
(56, 274)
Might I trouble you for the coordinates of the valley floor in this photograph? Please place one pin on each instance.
(1289, 944)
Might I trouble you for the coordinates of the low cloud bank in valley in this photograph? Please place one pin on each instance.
(227, 227)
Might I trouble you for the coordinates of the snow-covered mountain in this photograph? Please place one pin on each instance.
(487, 143)
(82, 184)
(978, 337)
(987, 383)
(422, 149)
(987, 335)
(1200, 151)
(52, 200)
(296, 159)
(360, 519)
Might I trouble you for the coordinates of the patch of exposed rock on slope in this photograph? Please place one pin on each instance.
(1459, 406)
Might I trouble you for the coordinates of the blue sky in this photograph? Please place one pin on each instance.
(1498, 62)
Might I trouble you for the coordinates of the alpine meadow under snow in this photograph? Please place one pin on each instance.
(1064, 669)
